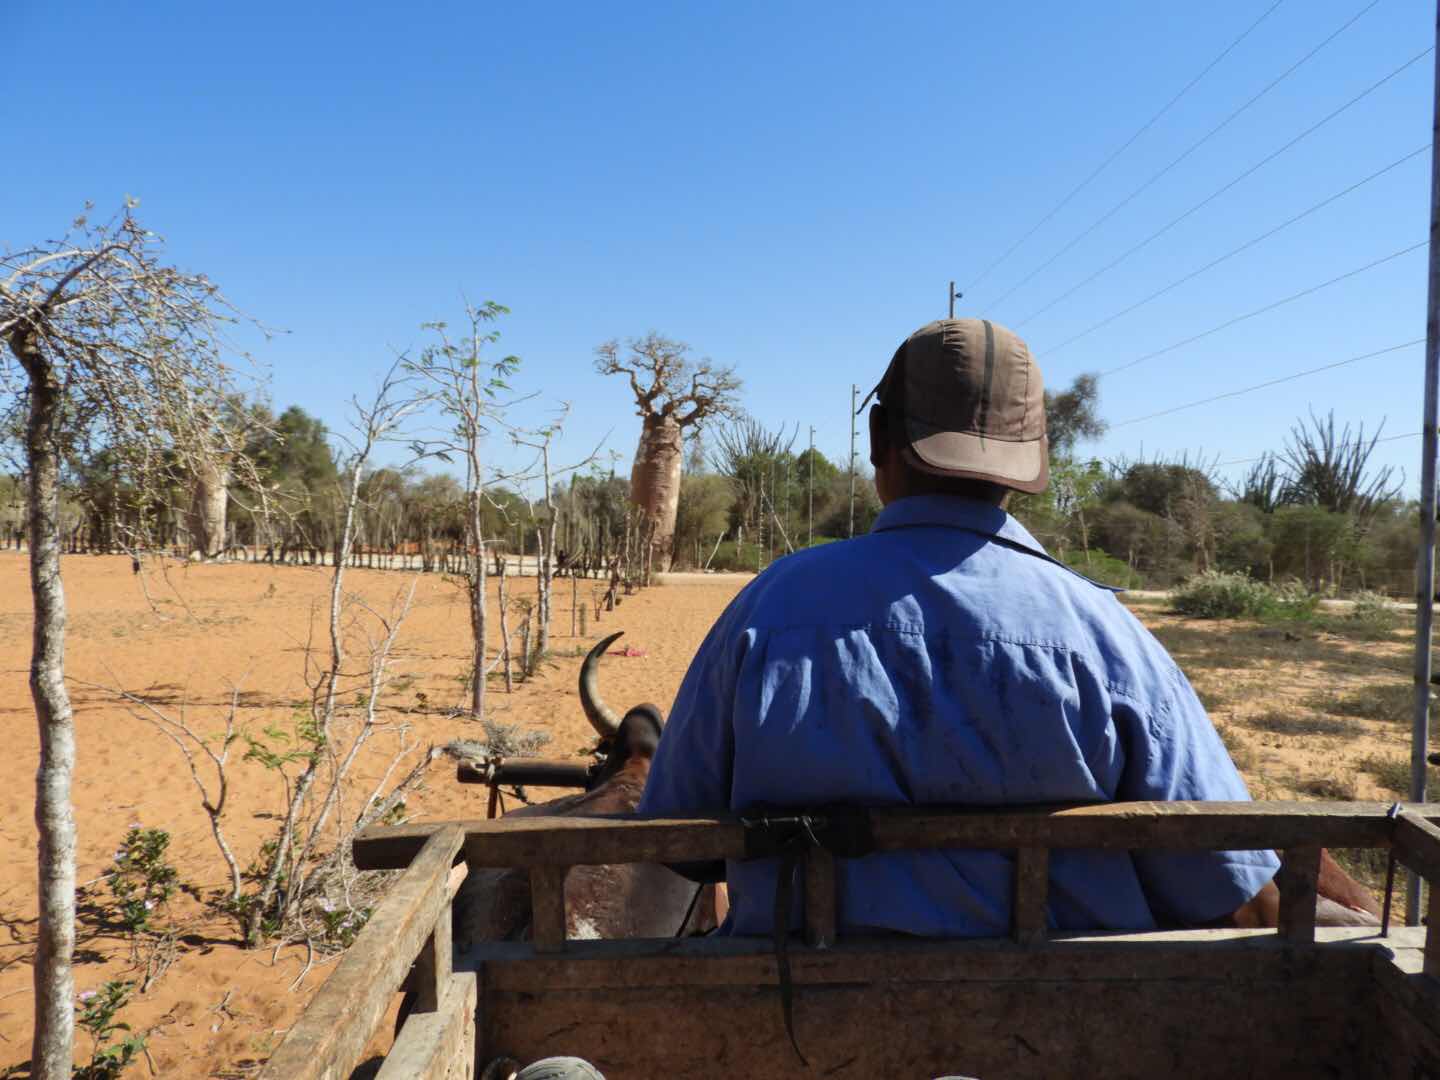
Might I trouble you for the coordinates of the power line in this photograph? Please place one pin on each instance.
(1265, 385)
(1235, 251)
(1126, 145)
(1226, 187)
(1185, 154)
(1268, 307)
(1338, 446)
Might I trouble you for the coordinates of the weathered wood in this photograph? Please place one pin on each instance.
(577, 841)
(821, 897)
(1432, 933)
(458, 873)
(547, 908)
(717, 961)
(329, 1038)
(437, 1045)
(432, 967)
(1298, 882)
(1112, 1008)
(1417, 844)
(1032, 891)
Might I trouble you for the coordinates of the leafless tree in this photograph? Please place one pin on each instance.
(323, 759)
(472, 392)
(672, 393)
(115, 349)
(1330, 470)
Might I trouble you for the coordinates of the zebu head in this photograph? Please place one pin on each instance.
(623, 739)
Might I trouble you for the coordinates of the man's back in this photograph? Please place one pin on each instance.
(944, 658)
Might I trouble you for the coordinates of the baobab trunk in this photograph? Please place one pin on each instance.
(54, 819)
(207, 508)
(655, 483)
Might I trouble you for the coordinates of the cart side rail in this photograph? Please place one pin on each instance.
(408, 935)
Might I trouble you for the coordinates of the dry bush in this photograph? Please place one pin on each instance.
(1331, 788)
(1296, 722)
(1385, 701)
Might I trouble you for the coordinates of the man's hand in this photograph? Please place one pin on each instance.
(1343, 901)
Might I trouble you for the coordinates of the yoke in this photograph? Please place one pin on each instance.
(1297, 1001)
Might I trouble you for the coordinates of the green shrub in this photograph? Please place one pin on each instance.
(142, 881)
(1216, 595)
(1103, 567)
(96, 1015)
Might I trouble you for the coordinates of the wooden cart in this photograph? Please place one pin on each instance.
(1295, 1002)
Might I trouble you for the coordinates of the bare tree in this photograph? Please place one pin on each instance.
(1332, 471)
(672, 393)
(375, 423)
(117, 349)
(470, 390)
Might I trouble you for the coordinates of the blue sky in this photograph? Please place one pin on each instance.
(788, 187)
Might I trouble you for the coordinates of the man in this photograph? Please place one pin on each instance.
(946, 658)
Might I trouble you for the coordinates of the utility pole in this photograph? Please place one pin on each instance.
(854, 394)
(1425, 564)
(810, 509)
(953, 296)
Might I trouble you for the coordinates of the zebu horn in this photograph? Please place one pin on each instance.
(602, 718)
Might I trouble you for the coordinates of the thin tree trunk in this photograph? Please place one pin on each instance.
(54, 983)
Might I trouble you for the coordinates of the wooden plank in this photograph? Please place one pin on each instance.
(579, 841)
(821, 897)
(1298, 882)
(327, 1041)
(432, 972)
(1032, 891)
(1273, 1025)
(1417, 844)
(547, 908)
(1432, 932)
(742, 962)
(437, 1045)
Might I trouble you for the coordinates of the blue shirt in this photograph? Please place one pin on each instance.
(945, 658)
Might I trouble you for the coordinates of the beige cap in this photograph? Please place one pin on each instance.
(968, 401)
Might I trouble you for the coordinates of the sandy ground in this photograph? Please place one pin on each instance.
(207, 632)
(219, 1009)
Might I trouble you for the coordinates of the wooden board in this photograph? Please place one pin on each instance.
(1202, 1004)
(547, 841)
(437, 1045)
(332, 1033)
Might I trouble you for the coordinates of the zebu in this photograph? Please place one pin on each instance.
(624, 901)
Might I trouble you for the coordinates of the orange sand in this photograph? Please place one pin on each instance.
(220, 1009)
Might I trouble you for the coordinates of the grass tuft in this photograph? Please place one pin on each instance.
(1293, 722)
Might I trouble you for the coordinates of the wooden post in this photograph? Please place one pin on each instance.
(547, 907)
(432, 967)
(1297, 880)
(1425, 561)
(1032, 890)
(820, 898)
(1432, 935)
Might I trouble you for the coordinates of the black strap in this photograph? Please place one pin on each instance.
(844, 831)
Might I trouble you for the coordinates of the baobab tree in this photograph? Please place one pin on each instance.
(120, 352)
(672, 393)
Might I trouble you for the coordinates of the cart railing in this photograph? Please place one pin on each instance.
(412, 923)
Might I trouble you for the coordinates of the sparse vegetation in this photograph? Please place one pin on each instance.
(142, 881)
(1393, 774)
(1301, 722)
(1380, 701)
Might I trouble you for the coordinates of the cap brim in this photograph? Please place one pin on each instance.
(1024, 466)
